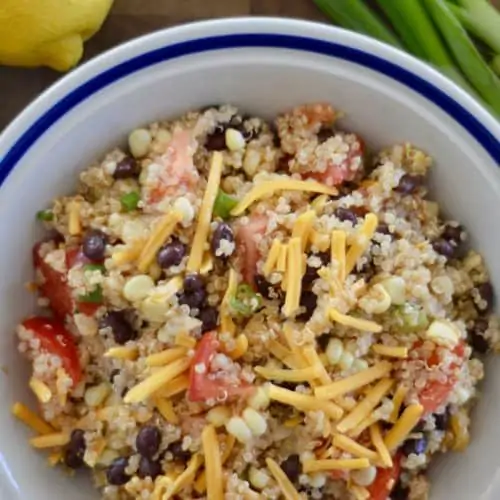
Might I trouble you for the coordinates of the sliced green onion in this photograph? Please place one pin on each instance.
(465, 53)
(224, 204)
(246, 301)
(93, 297)
(481, 19)
(355, 15)
(45, 215)
(130, 201)
(94, 267)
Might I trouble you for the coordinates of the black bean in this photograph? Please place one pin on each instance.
(171, 254)
(308, 300)
(149, 468)
(416, 446)
(346, 214)
(324, 257)
(94, 245)
(148, 441)
(325, 133)
(193, 282)
(73, 455)
(476, 336)
(323, 340)
(453, 233)
(486, 293)
(442, 420)
(126, 168)
(209, 317)
(291, 386)
(222, 232)
(400, 492)
(216, 141)
(292, 467)
(179, 454)
(409, 183)
(122, 330)
(445, 248)
(194, 299)
(310, 275)
(283, 164)
(116, 474)
(276, 137)
(263, 286)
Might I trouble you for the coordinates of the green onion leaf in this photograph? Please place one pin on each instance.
(246, 301)
(223, 205)
(94, 297)
(130, 201)
(94, 267)
(356, 16)
(45, 215)
(465, 53)
(495, 64)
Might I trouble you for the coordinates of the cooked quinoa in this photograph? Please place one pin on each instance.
(236, 309)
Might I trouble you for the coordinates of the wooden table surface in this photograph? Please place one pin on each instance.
(131, 18)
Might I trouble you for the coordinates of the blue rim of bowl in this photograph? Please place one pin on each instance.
(245, 40)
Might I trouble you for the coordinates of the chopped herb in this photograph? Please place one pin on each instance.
(130, 201)
(45, 215)
(246, 301)
(223, 205)
(94, 267)
(94, 297)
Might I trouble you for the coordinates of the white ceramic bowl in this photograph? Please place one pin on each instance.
(264, 66)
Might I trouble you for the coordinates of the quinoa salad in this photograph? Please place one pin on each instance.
(233, 308)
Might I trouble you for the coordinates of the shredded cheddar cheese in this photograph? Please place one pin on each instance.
(358, 451)
(129, 254)
(338, 252)
(50, 440)
(362, 240)
(335, 464)
(280, 352)
(397, 401)
(166, 409)
(156, 381)
(353, 382)
(25, 415)
(403, 427)
(282, 259)
(74, 221)
(184, 479)
(313, 359)
(207, 264)
(363, 425)
(122, 352)
(226, 321)
(159, 235)
(174, 387)
(272, 258)
(366, 406)
(213, 463)
(55, 457)
(361, 324)
(298, 375)
(205, 214)
(164, 357)
(183, 339)
(279, 183)
(304, 402)
(360, 492)
(287, 488)
(294, 277)
(303, 227)
(41, 390)
(378, 443)
(391, 352)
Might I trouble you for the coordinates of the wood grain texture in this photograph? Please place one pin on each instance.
(132, 18)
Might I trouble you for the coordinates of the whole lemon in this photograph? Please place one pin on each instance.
(48, 32)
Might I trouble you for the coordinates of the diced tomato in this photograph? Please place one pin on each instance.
(55, 286)
(435, 393)
(178, 170)
(385, 481)
(337, 173)
(202, 388)
(55, 339)
(247, 249)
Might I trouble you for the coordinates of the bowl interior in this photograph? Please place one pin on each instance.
(263, 81)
